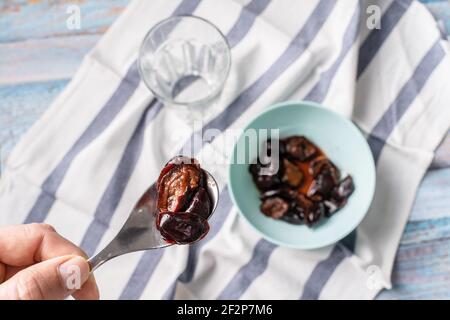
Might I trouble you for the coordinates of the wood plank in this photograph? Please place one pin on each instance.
(422, 271)
(442, 156)
(25, 20)
(425, 231)
(432, 201)
(441, 12)
(20, 107)
(43, 59)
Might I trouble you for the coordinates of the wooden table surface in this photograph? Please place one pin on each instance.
(39, 55)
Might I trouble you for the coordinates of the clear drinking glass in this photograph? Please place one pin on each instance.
(184, 61)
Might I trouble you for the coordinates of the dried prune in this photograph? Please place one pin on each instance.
(255, 169)
(182, 227)
(300, 148)
(302, 205)
(322, 164)
(345, 188)
(292, 174)
(265, 183)
(292, 218)
(322, 186)
(282, 192)
(269, 147)
(265, 176)
(315, 214)
(200, 203)
(260, 169)
(274, 207)
(271, 193)
(331, 206)
(306, 189)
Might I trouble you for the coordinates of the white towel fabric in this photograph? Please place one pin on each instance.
(103, 141)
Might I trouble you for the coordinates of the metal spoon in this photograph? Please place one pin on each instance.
(139, 231)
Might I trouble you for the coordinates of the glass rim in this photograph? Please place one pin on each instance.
(174, 101)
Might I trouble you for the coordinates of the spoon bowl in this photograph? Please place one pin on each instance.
(139, 231)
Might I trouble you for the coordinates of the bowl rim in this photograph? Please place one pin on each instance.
(371, 167)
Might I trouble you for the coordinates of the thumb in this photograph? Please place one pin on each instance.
(50, 280)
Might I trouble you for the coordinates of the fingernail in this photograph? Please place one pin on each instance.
(74, 273)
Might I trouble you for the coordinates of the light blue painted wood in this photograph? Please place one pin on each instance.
(442, 155)
(59, 58)
(39, 54)
(441, 11)
(25, 20)
(20, 106)
(433, 198)
(421, 270)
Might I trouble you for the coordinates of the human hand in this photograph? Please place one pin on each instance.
(37, 263)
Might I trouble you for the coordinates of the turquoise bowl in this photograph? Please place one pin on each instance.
(343, 143)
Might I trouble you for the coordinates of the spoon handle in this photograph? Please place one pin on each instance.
(112, 250)
(96, 261)
(99, 259)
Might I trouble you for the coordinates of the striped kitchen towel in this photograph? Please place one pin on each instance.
(103, 141)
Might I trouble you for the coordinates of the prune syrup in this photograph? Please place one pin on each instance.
(307, 187)
(184, 204)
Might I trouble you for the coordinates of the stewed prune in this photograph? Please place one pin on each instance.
(200, 203)
(182, 227)
(177, 186)
(178, 160)
(307, 187)
(183, 204)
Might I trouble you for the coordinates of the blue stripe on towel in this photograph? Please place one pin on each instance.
(322, 273)
(246, 19)
(405, 98)
(319, 92)
(250, 271)
(377, 37)
(145, 268)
